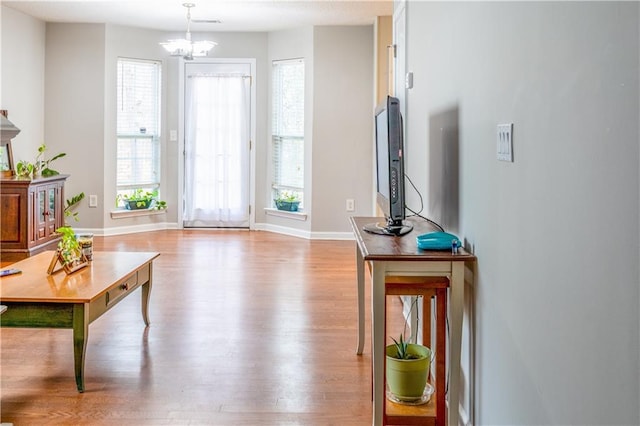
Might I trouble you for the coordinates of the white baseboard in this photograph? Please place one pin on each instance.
(122, 230)
(302, 233)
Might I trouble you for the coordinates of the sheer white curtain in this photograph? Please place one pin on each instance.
(217, 114)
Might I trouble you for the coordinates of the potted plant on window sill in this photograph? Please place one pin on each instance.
(141, 199)
(287, 202)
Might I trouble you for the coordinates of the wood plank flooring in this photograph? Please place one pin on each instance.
(247, 328)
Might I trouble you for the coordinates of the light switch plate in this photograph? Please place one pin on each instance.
(351, 205)
(408, 80)
(505, 142)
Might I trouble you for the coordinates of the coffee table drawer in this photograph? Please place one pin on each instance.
(117, 292)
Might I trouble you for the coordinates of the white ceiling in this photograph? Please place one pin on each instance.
(236, 15)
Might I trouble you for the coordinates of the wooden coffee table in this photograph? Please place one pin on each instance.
(35, 299)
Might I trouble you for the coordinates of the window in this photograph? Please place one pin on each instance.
(288, 128)
(138, 126)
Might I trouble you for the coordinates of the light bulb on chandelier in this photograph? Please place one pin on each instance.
(185, 47)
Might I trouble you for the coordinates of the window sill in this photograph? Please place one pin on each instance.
(284, 213)
(124, 213)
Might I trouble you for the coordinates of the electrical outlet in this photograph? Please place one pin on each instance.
(351, 205)
(505, 142)
(93, 201)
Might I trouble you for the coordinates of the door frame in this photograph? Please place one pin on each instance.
(181, 131)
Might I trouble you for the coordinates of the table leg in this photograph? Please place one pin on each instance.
(146, 294)
(456, 306)
(360, 278)
(80, 337)
(378, 316)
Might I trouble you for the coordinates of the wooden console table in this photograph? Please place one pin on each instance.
(400, 256)
(35, 299)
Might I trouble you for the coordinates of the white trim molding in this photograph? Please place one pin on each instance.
(267, 227)
(270, 211)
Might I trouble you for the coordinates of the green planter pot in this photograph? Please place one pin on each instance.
(407, 378)
(290, 206)
(137, 204)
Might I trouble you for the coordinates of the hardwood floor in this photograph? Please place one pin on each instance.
(247, 328)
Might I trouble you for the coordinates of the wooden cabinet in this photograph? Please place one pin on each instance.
(30, 212)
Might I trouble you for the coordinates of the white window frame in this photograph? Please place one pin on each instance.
(280, 135)
(139, 138)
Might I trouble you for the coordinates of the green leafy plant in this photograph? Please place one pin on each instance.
(70, 204)
(69, 247)
(287, 197)
(401, 347)
(40, 166)
(160, 205)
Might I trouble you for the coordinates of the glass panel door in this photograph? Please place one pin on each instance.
(217, 138)
(52, 204)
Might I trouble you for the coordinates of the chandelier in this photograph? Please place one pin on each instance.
(185, 47)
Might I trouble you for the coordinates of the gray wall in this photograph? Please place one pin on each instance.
(342, 125)
(22, 80)
(75, 109)
(556, 232)
(80, 113)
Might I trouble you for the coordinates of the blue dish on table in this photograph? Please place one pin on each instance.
(437, 241)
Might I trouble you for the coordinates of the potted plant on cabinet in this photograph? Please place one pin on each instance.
(287, 201)
(40, 167)
(407, 370)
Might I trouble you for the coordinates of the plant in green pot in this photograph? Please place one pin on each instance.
(407, 370)
(287, 201)
(141, 199)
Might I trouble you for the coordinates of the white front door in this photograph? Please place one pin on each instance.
(217, 158)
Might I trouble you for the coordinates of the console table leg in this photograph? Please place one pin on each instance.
(378, 338)
(80, 337)
(360, 278)
(146, 294)
(456, 309)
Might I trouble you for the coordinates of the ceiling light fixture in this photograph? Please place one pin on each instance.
(185, 47)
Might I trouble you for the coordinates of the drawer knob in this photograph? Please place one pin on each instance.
(125, 286)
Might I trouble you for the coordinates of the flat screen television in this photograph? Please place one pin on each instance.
(389, 170)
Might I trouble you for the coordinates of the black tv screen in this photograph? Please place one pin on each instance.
(389, 169)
